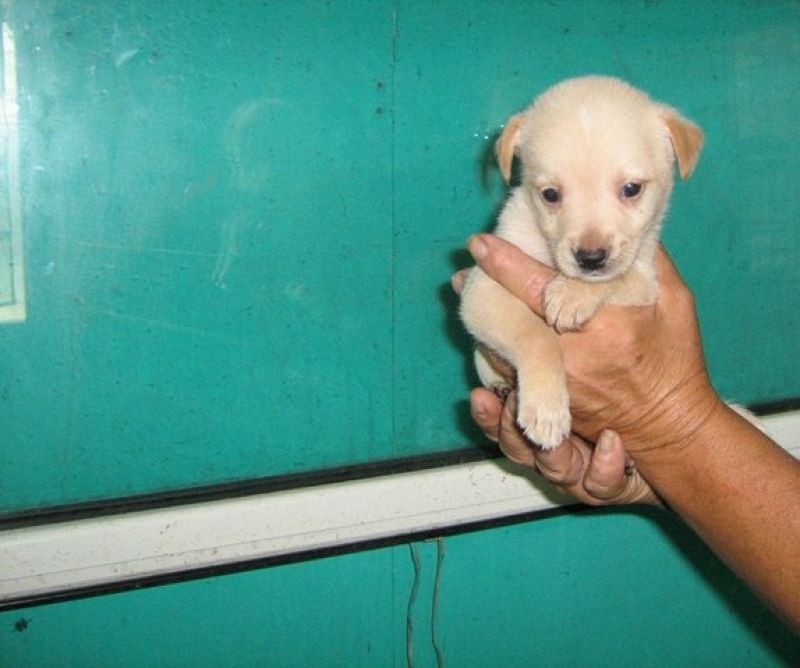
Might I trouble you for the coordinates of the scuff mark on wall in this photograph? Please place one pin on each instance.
(245, 138)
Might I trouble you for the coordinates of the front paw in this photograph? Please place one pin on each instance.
(569, 304)
(544, 417)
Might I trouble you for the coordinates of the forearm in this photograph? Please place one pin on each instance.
(641, 372)
(741, 493)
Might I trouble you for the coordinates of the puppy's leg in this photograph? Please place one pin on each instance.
(514, 332)
(543, 399)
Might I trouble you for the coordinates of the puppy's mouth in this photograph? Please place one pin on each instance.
(595, 275)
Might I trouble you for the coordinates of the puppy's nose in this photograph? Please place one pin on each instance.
(591, 259)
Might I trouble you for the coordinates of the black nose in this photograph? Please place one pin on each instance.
(591, 259)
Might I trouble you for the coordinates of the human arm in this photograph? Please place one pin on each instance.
(641, 372)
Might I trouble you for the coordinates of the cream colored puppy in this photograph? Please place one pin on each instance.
(597, 162)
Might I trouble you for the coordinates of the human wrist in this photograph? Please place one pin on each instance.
(678, 422)
(683, 456)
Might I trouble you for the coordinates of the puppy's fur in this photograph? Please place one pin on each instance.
(597, 171)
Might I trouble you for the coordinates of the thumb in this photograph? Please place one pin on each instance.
(609, 478)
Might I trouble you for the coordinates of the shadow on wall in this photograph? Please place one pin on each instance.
(463, 343)
(769, 630)
(460, 258)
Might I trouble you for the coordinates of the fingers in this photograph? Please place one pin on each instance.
(486, 410)
(667, 271)
(498, 422)
(570, 466)
(526, 278)
(602, 475)
(573, 466)
(672, 284)
(519, 273)
(611, 476)
(511, 439)
(565, 466)
(605, 477)
(457, 280)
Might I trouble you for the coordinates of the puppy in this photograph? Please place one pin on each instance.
(597, 161)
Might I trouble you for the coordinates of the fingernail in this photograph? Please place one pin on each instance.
(478, 408)
(477, 247)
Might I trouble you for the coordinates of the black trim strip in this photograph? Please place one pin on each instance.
(280, 483)
(240, 488)
(776, 406)
(189, 575)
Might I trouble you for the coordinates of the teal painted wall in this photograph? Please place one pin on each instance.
(611, 590)
(239, 222)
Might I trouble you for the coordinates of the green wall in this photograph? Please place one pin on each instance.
(239, 221)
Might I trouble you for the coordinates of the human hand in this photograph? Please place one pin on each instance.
(602, 474)
(639, 371)
(599, 475)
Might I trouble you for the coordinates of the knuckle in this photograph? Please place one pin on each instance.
(601, 490)
(562, 478)
(562, 473)
(534, 290)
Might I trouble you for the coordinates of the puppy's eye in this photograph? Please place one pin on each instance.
(551, 195)
(631, 190)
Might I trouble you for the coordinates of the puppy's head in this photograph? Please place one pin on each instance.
(597, 159)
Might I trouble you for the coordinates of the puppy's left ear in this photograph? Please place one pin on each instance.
(687, 140)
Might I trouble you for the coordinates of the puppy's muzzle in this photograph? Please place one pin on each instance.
(591, 259)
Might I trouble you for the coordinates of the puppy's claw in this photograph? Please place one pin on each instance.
(502, 390)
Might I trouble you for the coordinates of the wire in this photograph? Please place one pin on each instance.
(435, 605)
(411, 600)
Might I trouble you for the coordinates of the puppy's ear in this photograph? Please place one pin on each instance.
(687, 140)
(507, 145)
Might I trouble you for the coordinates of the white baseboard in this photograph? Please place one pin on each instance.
(50, 560)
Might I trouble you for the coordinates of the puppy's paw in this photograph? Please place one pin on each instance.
(569, 304)
(544, 418)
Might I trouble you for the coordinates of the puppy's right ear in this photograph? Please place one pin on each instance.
(687, 140)
(506, 146)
